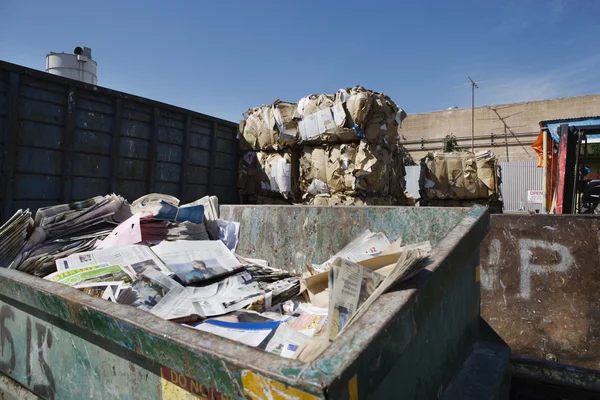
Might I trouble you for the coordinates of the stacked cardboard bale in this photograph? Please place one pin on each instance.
(452, 178)
(339, 149)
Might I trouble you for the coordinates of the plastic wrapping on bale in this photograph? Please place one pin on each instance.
(327, 169)
(268, 174)
(456, 176)
(269, 128)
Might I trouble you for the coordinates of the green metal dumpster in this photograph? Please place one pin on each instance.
(424, 339)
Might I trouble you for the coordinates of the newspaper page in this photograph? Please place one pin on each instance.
(104, 290)
(134, 258)
(411, 261)
(285, 342)
(365, 246)
(160, 295)
(251, 334)
(353, 285)
(96, 273)
(195, 261)
(232, 294)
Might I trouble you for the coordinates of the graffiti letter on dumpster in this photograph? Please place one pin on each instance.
(489, 273)
(565, 260)
(7, 345)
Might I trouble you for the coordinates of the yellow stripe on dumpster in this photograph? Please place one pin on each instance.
(477, 273)
(176, 386)
(353, 388)
(259, 387)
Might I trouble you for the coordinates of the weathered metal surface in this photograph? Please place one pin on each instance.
(291, 236)
(550, 380)
(540, 277)
(478, 379)
(415, 339)
(67, 343)
(11, 390)
(398, 343)
(63, 140)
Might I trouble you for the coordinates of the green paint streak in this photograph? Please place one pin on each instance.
(291, 372)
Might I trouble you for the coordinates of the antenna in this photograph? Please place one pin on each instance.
(473, 87)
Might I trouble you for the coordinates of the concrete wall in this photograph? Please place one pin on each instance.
(515, 126)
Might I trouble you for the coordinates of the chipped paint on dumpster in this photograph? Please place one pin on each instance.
(291, 236)
(540, 277)
(424, 328)
(259, 387)
(178, 386)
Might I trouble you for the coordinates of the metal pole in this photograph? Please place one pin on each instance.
(472, 118)
(545, 172)
(473, 86)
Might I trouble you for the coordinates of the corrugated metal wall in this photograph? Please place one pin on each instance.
(517, 178)
(412, 180)
(62, 140)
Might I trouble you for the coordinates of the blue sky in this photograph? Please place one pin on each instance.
(221, 58)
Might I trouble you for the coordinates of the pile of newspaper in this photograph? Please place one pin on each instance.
(335, 294)
(178, 280)
(328, 145)
(64, 229)
(100, 222)
(13, 235)
(162, 258)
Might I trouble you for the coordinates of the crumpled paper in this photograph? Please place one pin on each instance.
(269, 127)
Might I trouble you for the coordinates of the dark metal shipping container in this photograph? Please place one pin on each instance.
(63, 140)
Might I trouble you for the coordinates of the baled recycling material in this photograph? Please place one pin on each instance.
(458, 176)
(342, 144)
(365, 168)
(268, 174)
(349, 115)
(269, 128)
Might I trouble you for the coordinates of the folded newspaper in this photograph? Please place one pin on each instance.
(356, 287)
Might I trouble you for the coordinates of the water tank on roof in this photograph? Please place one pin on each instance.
(78, 65)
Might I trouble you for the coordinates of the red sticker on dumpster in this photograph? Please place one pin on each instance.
(175, 383)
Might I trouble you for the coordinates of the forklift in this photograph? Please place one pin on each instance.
(580, 191)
